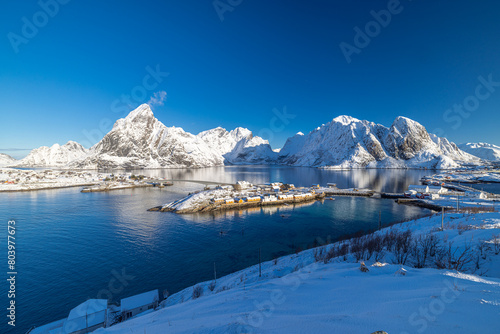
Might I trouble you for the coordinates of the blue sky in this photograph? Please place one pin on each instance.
(68, 79)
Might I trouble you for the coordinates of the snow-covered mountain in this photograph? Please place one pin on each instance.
(142, 141)
(54, 156)
(239, 146)
(482, 150)
(347, 142)
(6, 160)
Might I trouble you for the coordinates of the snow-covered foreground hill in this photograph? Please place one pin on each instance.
(324, 290)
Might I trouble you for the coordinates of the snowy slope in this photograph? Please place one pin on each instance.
(239, 146)
(6, 160)
(347, 142)
(141, 140)
(482, 150)
(54, 156)
(305, 293)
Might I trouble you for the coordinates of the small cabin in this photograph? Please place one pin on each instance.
(229, 200)
(134, 305)
(475, 194)
(410, 194)
(419, 188)
(269, 198)
(285, 196)
(253, 199)
(219, 200)
(86, 317)
(428, 189)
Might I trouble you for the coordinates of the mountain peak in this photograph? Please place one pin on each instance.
(345, 120)
(141, 111)
(402, 121)
(241, 133)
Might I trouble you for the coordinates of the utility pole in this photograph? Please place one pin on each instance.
(215, 274)
(442, 218)
(260, 269)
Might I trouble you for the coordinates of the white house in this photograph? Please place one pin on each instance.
(476, 194)
(419, 188)
(86, 317)
(427, 189)
(241, 185)
(134, 305)
(437, 190)
(269, 198)
(285, 196)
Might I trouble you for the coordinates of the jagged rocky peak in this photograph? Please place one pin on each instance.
(347, 142)
(142, 111)
(141, 140)
(239, 146)
(408, 127)
(345, 120)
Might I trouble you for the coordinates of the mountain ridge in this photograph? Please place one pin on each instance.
(140, 140)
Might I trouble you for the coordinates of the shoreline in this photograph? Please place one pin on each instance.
(63, 168)
(46, 188)
(100, 190)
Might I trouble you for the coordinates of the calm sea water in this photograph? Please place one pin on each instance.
(71, 245)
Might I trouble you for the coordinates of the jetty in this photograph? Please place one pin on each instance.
(349, 192)
(423, 204)
(110, 187)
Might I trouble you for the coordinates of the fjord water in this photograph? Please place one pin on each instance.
(73, 246)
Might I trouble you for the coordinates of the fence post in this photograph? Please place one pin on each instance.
(442, 218)
(260, 269)
(215, 274)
